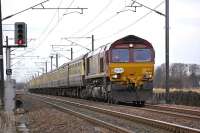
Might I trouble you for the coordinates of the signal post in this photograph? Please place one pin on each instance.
(20, 39)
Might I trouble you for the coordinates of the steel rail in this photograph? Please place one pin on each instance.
(169, 112)
(183, 113)
(154, 123)
(174, 109)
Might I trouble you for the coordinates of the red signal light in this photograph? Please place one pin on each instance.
(20, 42)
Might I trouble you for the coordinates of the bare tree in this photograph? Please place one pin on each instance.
(181, 76)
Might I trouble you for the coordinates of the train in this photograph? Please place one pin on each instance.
(121, 71)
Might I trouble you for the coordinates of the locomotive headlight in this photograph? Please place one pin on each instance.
(131, 45)
(118, 70)
(148, 75)
(114, 76)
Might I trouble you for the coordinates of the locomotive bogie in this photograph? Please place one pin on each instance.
(128, 94)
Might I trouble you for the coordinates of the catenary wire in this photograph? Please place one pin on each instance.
(40, 43)
(93, 20)
(45, 30)
(131, 24)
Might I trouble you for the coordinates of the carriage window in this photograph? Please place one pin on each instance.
(141, 55)
(120, 55)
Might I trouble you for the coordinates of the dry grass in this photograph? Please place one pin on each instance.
(7, 122)
(161, 90)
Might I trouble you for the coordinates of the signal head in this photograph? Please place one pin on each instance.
(21, 34)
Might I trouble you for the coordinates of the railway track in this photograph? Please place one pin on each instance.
(167, 111)
(171, 111)
(189, 112)
(121, 122)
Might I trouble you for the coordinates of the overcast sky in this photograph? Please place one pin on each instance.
(49, 27)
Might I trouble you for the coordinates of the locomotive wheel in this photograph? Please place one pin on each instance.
(110, 95)
(138, 103)
(110, 99)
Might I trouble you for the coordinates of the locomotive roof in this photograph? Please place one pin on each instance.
(124, 40)
(98, 50)
(131, 39)
(76, 59)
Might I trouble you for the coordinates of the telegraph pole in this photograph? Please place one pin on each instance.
(167, 48)
(1, 64)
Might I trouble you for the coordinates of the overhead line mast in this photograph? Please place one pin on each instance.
(167, 49)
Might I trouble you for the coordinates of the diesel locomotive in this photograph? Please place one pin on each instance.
(121, 71)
